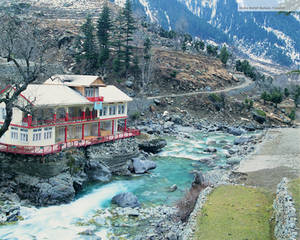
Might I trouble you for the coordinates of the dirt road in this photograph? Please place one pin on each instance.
(245, 84)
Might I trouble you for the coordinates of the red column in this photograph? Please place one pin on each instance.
(83, 115)
(125, 124)
(67, 116)
(66, 134)
(29, 120)
(99, 129)
(113, 127)
(54, 117)
(91, 115)
(82, 131)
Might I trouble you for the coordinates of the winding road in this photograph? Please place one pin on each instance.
(247, 82)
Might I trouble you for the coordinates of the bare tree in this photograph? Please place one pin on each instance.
(23, 44)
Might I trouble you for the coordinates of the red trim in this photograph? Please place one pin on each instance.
(50, 149)
(125, 124)
(112, 127)
(65, 123)
(95, 99)
(4, 89)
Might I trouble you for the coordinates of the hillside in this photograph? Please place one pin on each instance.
(266, 36)
(169, 70)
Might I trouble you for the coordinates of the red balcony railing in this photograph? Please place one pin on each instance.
(50, 149)
(58, 120)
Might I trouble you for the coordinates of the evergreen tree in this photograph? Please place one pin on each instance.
(224, 55)
(286, 92)
(104, 26)
(128, 30)
(117, 42)
(147, 47)
(89, 46)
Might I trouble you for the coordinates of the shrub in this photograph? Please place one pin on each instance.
(187, 204)
(215, 97)
(173, 74)
(136, 115)
(292, 115)
(260, 113)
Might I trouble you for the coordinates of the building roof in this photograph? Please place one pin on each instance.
(113, 94)
(53, 95)
(75, 80)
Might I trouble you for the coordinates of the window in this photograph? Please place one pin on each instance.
(14, 133)
(37, 134)
(2, 113)
(122, 109)
(104, 111)
(100, 113)
(119, 109)
(110, 110)
(114, 110)
(48, 133)
(89, 92)
(24, 135)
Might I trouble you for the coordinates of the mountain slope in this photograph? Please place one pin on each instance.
(269, 35)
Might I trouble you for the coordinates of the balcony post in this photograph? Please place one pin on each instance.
(54, 114)
(91, 114)
(82, 131)
(83, 113)
(67, 114)
(125, 124)
(112, 127)
(66, 134)
(99, 129)
(29, 120)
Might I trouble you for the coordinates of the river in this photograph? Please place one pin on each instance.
(174, 166)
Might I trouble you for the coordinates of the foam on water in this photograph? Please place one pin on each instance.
(58, 221)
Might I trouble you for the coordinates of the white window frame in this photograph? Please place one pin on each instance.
(24, 135)
(105, 111)
(48, 133)
(14, 133)
(89, 92)
(37, 135)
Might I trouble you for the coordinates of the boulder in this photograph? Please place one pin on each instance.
(235, 131)
(177, 119)
(173, 188)
(142, 165)
(258, 118)
(210, 150)
(129, 84)
(153, 146)
(198, 178)
(241, 140)
(127, 199)
(97, 171)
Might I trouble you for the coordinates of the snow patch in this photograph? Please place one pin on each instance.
(168, 20)
(289, 43)
(148, 11)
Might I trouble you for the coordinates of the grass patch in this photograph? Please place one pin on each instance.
(294, 189)
(236, 212)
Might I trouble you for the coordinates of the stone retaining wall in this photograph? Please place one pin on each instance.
(284, 213)
(190, 227)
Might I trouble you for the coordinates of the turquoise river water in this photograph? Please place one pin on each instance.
(174, 165)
